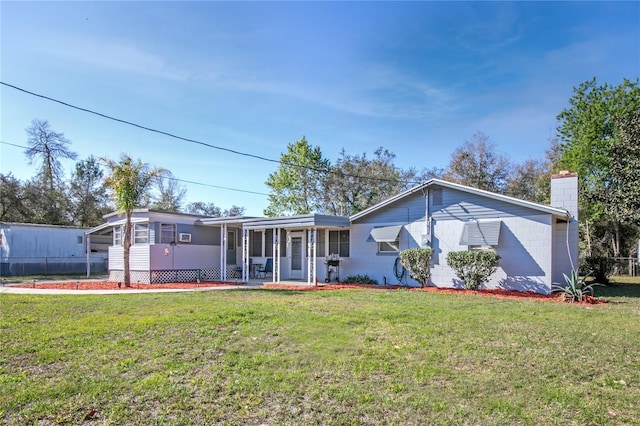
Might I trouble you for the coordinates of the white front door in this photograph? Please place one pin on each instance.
(297, 256)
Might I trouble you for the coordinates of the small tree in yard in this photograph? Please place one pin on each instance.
(130, 181)
(416, 261)
(473, 267)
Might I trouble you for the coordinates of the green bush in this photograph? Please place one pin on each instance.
(359, 279)
(599, 267)
(473, 267)
(416, 261)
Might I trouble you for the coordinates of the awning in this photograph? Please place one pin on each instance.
(485, 233)
(385, 234)
(116, 223)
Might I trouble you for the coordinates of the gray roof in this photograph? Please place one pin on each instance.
(300, 221)
(438, 182)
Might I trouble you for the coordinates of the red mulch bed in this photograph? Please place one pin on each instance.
(500, 293)
(108, 285)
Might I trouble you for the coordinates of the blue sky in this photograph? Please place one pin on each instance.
(417, 78)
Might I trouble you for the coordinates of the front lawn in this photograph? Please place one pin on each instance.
(330, 357)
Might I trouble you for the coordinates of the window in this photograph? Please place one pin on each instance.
(141, 233)
(437, 196)
(389, 247)
(167, 233)
(387, 237)
(255, 240)
(339, 243)
(79, 239)
(268, 243)
(117, 235)
(321, 243)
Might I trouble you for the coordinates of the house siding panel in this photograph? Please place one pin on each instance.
(139, 257)
(465, 206)
(408, 210)
(116, 257)
(185, 256)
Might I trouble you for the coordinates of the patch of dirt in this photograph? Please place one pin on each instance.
(109, 285)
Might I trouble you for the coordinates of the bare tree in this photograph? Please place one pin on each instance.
(477, 163)
(170, 193)
(48, 147)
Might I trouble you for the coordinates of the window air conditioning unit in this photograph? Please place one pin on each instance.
(184, 238)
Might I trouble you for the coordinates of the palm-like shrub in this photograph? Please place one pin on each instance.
(574, 289)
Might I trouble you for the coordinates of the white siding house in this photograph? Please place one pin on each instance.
(27, 249)
(165, 247)
(537, 243)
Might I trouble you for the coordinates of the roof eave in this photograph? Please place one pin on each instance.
(505, 198)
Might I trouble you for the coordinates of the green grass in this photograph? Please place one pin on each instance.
(326, 357)
(8, 279)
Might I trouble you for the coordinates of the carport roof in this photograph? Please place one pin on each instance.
(300, 221)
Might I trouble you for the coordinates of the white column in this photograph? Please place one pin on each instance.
(245, 255)
(312, 258)
(223, 252)
(276, 255)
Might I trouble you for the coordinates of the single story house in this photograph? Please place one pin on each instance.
(27, 248)
(537, 243)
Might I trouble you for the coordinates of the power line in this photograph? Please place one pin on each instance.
(13, 144)
(119, 120)
(217, 186)
(232, 151)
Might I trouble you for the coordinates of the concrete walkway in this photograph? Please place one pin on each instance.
(13, 289)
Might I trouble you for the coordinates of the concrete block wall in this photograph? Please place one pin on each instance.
(564, 195)
(364, 257)
(525, 262)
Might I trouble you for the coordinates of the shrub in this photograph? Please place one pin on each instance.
(416, 261)
(473, 267)
(599, 267)
(359, 279)
(574, 289)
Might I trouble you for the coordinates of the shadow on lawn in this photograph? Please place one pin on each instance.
(616, 289)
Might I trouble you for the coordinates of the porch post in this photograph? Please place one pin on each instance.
(311, 259)
(223, 252)
(276, 255)
(245, 255)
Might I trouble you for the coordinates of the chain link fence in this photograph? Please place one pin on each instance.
(629, 266)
